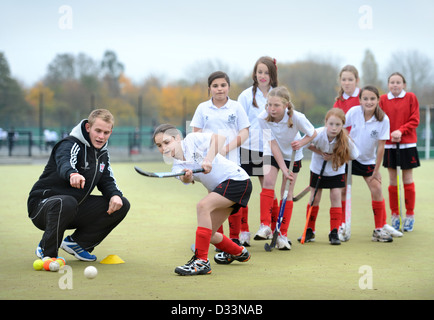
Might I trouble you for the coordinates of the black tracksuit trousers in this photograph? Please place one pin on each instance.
(90, 220)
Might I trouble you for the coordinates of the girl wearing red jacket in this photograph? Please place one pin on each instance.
(402, 108)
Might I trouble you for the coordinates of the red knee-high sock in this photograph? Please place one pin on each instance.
(228, 246)
(384, 212)
(266, 199)
(287, 214)
(379, 213)
(313, 216)
(344, 203)
(235, 225)
(410, 198)
(245, 219)
(220, 230)
(274, 214)
(335, 217)
(203, 238)
(393, 200)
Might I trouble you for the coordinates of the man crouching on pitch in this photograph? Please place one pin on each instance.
(61, 199)
(228, 185)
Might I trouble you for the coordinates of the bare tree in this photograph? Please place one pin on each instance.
(415, 67)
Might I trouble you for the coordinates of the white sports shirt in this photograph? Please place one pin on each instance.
(366, 134)
(226, 121)
(284, 135)
(321, 142)
(255, 140)
(195, 147)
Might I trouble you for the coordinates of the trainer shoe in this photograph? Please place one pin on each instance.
(76, 250)
(396, 222)
(310, 236)
(39, 252)
(380, 235)
(283, 243)
(392, 231)
(344, 234)
(333, 237)
(409, 223)
(227, 258)
(263, 233)
(245, 238)
(194, 267)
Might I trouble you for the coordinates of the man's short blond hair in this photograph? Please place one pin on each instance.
(102, 114)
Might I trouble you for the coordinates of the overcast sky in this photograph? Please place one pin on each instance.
(167, 37)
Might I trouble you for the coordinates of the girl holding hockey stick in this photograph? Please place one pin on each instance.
(283, 124)
(226, 117)
(254, 100)
(333, 145)
(348, 97)
(370, 131)
(228, 185)
(402, 108)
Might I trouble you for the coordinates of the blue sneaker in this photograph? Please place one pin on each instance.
(74, 248)
(39, 253)
(409, 223)
(396, 222)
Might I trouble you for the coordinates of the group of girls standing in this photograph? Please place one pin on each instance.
(261, 131)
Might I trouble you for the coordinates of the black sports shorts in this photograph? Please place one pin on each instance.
(409, 158)
(237, 191)
(331, 182)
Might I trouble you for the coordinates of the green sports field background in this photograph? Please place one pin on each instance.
(156, 236)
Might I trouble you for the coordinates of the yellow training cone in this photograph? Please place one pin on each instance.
(112, 259)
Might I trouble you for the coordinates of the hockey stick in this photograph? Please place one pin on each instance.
(301, 194)
(347, 230)
(398, 186)
(269, 247)
(303, 237)
(164, 174)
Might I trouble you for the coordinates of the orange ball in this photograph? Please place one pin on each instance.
(47, 264)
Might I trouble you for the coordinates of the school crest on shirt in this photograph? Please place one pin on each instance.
(197, 157)
(101, 167)
(374, 134)
(231, 118)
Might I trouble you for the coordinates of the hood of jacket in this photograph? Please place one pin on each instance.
(80, 132)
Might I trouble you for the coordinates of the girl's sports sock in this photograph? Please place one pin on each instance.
(266, 205)
(335, 218)
(203, 238)
(228, 246)
(245, 219)
(235, 225)
(274, 214)
(379, 213)
(393, 199)
(313, 216)
(344, 203)
(286, 217)
(410, 198)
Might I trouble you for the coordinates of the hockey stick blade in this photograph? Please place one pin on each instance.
(163, 174)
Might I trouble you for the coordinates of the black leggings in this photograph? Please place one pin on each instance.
(90, 220)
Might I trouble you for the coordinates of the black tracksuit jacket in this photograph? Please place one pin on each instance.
(75, 153)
